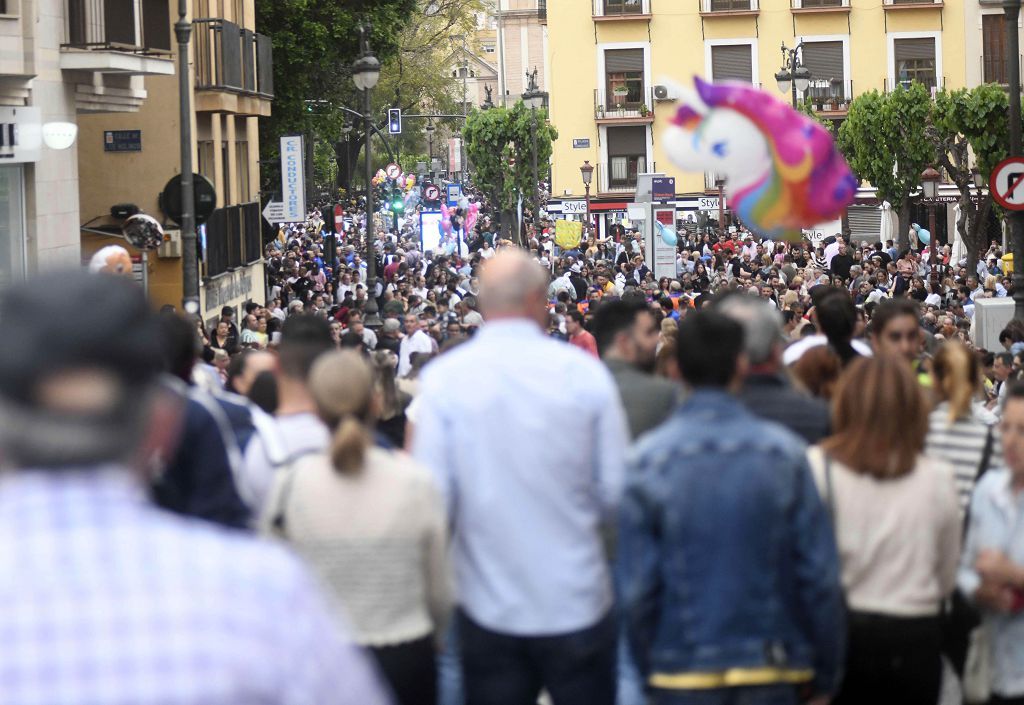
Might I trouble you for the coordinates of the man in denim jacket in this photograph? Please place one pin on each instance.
(727, 562)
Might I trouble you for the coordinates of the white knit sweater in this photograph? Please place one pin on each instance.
(377, 538)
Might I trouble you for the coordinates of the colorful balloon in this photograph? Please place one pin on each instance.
(782, 170)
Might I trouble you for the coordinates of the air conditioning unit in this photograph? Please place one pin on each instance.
(171, 249)
(665, 93)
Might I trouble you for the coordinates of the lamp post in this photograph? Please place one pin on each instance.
(365, 73)
(587, 172)
(190, 251)
(930, 188)
(720, 185)
(793, 76)
(534, 98)
(1011, 10)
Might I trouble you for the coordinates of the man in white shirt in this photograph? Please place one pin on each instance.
(535, 589)
(415, 341)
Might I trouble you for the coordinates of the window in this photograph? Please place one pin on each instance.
(825, 62)
(242, 170)
(624, 78)
(820, 3)
(993, 47)
(488, 48)
(730, 5)
(733, 62)
(915, 60)
(627, 155)
(622, 7)
(206, 167)
(239, 12)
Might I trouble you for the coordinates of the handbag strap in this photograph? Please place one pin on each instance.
(278, 522)
(986, 454)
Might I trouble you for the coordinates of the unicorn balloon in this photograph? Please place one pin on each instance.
(782, 170)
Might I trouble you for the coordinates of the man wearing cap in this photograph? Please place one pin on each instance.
(108, 599)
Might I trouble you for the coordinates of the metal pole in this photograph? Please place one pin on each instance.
(370, 318)
(190, 253)
(1011, 9)
(792, 74)
(721, 210)
(536, 176)
(932, 256)
(465, 112)
(586, 187)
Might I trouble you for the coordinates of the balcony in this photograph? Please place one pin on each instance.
(932, 83)
(711, 182)
(233, 239)
(830, 98)
(618, 108)
(729, 8)
(234, 69)
(127, 37)
(912, 4)
(622, 10)
(818, 6)
(625, 184)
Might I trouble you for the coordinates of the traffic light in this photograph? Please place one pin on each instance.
(397, 201)
(394, 121)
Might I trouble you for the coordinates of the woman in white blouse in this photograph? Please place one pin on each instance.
(371, 523)
(897, 528)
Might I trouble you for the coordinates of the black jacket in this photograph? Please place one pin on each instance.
(772, 397)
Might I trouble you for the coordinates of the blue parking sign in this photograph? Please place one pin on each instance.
(454, 194)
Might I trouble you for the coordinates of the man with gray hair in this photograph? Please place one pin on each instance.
(767, 391)
(526, 437)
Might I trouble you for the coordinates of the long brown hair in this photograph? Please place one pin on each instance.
(957, 378)
(879, 418)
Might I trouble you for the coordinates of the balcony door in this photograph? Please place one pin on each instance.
(627, 155)
(825, 62)
(624, 78)
(732, 62)
(915, 61)
(993, 49)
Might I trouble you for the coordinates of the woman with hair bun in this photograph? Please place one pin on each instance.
(371, 522)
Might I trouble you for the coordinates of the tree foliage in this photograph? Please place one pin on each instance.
(315, 43)
(962, 122)
(884, 141)
(500, 144)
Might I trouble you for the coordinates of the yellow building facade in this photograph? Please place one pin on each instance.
(128, 158)
(610, 63)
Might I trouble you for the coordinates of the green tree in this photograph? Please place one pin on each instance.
(965, 122)
(500, 144)
(884, 141)
(315, 43)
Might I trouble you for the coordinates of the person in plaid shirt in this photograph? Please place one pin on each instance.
(107, 599)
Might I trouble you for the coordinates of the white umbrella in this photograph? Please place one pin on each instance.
(888, 227)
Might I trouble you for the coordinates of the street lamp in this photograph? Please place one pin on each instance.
(190, 250)
(534, 98)
(365, 74)
(793, 76)
(587, 172)
(930, 188)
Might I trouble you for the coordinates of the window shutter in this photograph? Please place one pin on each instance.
(627, 141)
(865, 222)
(732, 63)
(624, 61)
(994, 48)
(824, 60)
(912, 49)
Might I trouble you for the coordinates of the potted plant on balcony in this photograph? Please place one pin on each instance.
(644, 110)
(620, 92)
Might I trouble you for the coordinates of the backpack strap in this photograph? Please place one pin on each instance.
(278, 523)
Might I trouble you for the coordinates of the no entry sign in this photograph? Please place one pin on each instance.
(1007, 183)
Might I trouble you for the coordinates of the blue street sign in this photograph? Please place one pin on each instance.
(454, 194)
(663, 188)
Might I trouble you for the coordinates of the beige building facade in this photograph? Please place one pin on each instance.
(231, 80)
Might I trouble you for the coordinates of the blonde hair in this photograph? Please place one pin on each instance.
(343, 388)
(957, 377)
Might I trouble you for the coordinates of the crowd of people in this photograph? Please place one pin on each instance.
(514, 471)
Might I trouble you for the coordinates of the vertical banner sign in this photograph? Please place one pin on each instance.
(455, 154)
(293, 179)
(664, 254)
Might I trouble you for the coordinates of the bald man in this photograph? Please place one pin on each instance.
(526, 437)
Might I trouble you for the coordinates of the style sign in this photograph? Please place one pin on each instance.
(581, 143)
(574, 207)
(1007, 183)
(122, 140)
(293, 179)
(708, 204)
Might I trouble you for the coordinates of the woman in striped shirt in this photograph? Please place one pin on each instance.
(961, 431)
